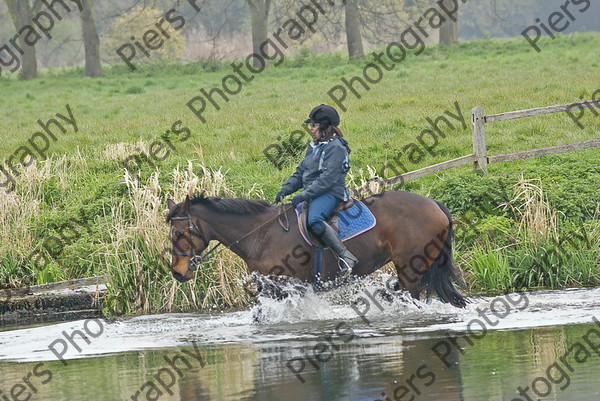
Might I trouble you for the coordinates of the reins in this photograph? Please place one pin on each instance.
(283, 211)
(202, 258)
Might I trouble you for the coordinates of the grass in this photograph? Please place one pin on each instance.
(135, 256)
(123, 113)
(538, 251)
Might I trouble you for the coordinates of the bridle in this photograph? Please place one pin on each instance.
(195, 260)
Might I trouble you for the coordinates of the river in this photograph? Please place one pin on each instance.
(347, 344)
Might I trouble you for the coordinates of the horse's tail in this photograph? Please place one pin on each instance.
(440, 276)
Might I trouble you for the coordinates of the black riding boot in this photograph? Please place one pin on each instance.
(330, 238)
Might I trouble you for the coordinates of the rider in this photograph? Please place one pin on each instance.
(321, 175)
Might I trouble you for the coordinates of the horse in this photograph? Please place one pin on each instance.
(412, 231)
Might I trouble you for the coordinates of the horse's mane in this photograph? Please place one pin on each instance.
(226, 205)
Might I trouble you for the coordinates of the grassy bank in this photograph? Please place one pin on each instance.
(81, 214)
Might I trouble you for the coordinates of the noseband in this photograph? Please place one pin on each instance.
(195, 259)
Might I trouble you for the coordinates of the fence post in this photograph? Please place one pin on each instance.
(479, 147)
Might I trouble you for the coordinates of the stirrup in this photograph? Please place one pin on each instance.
(345, 269)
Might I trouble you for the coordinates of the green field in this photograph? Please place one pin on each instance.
(535, 240)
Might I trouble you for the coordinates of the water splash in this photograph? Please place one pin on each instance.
(372, 298)
(304, 314)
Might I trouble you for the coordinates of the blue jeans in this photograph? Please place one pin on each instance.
(319, 209)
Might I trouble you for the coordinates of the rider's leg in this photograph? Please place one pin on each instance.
(319, 210)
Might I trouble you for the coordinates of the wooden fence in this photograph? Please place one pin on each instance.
(479, 157)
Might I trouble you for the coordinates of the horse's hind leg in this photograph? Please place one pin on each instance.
(406, 281)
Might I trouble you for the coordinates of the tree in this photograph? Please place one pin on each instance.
(382, 21)
(259, 20)
(91, 41)
(118, 45)
(353, 34)
(504, 18)
(355, 22)
(21, 12)
(449, 29)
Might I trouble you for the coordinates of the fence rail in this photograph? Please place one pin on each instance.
(479, 157)
(511, 115)
(552, 150)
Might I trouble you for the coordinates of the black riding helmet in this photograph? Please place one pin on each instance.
(324, 115)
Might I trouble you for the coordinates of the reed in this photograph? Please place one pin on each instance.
(19, 213)
(363, 183)
(543, 255)
(137, 254)
(538, 221)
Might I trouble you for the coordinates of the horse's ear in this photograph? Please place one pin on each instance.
(171, 204)
(186, 204)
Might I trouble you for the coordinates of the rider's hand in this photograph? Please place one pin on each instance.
(280, 196)
(297, 200)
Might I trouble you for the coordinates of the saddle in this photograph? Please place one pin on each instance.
(349, 219)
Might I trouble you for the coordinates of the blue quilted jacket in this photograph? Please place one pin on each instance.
(323, 170)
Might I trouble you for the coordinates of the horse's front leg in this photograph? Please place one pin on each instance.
(273, 286)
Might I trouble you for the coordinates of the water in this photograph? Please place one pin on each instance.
(545, 345)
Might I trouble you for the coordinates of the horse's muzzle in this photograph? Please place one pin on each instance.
(179, 277)
(191, 269)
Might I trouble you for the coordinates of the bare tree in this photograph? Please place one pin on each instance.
(449, 29)
(259, 19)
(355, 22)
(353, 34)
(90, 40)
(381, 21)
(212, 30)
(21, 13)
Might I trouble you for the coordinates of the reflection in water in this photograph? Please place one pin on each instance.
(411, 357)
(361, 370)
(369, 369)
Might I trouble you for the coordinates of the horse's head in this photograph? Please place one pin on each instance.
(188, 240)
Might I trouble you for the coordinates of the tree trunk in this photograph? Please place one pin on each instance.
(449, 29)
(21, 15)
(91, 41)
(259, 19)
(353, 35)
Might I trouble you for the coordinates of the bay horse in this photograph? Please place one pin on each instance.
(412, 231)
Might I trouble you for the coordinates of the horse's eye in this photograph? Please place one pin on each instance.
(180, 234)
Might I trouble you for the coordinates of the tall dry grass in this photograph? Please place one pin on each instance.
(363, 183)
(538, 220)
(137, 254)
(544, 255)
(16, 239)
(122, 150)
(19, 210)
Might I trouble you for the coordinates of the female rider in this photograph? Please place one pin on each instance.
(321, 175)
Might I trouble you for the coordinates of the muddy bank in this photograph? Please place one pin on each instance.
(55, 302)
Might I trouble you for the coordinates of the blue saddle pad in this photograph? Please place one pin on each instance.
(353, 221)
